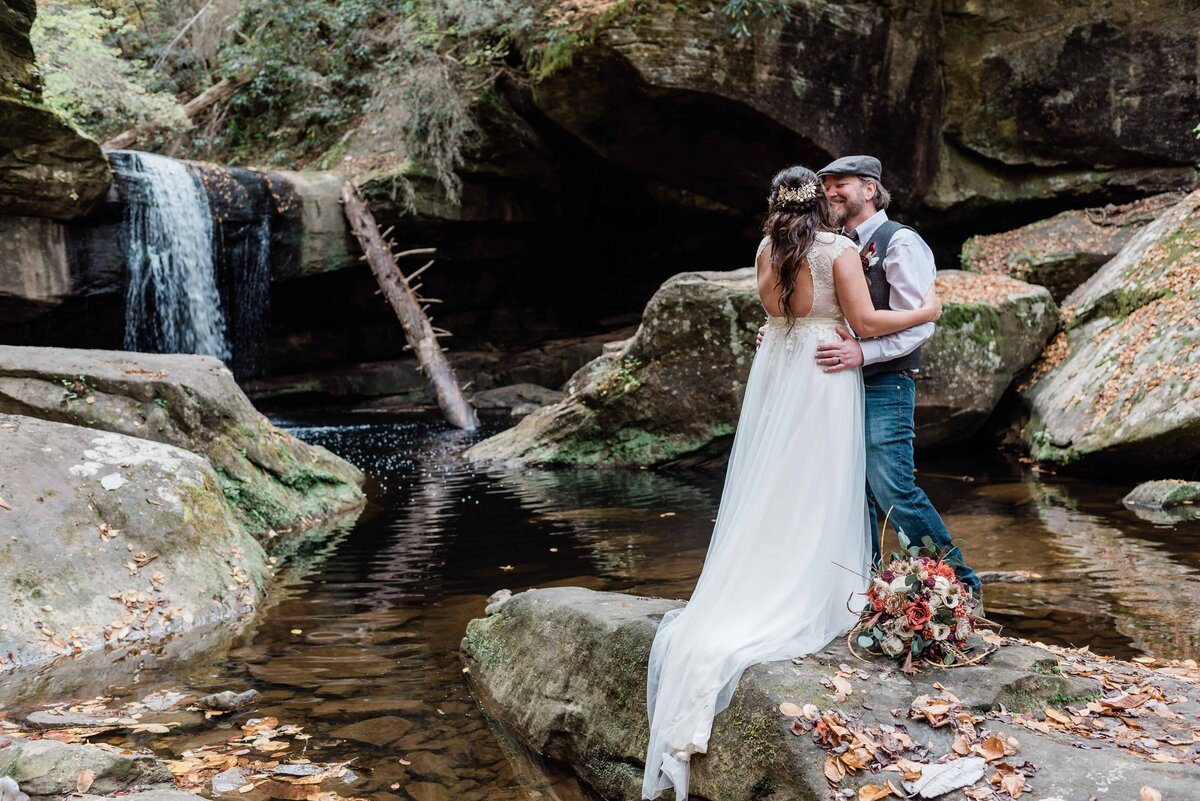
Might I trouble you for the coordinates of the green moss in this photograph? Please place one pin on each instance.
(762, 788)
(979, 321)
(487, 650)
(1125, 302)
(560, 46)
(258, 510)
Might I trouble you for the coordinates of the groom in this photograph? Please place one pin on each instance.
(900, 269)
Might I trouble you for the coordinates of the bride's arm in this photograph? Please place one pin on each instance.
(855, 300)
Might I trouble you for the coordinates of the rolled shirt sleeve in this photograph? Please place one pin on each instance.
(910, 271)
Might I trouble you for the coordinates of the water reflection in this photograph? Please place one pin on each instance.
(363, 650)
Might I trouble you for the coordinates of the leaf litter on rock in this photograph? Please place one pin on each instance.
(257, 750)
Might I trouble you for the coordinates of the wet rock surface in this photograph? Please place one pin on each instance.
(517, 400)
(1162, 494)
(111, 540)
(564, 670)
(273, 481)
(1165, 502)
(1117, 391)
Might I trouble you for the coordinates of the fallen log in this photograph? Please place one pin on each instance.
(206, 99)
(417, 328)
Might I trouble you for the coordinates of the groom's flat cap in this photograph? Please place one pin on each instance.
(865, 166)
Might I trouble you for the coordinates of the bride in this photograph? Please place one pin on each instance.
(791, 542)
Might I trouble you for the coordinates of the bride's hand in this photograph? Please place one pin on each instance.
(932, 304)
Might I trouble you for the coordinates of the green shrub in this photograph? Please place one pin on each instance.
(87, 79)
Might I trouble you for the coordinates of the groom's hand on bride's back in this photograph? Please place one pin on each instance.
(843, 355)
(762, 332)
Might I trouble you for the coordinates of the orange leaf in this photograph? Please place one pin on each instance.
(1013, 784)
(873, 792)
(791, 710)
(84, 782)
(991, 749)
(1057, 717)
(834, 771)
(1150, 794)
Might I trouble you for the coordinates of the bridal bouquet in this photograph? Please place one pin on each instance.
(918, 609)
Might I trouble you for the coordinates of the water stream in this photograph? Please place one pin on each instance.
(196, 243)
(171, 303)
(363, 650)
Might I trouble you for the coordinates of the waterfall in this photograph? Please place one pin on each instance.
(172, 304)
(243, 269)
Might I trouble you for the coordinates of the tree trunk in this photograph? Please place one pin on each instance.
(407, 306)
(206, 99)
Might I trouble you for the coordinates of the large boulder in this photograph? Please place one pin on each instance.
(47, 168)
(273, 481)
(991, 329)
(673, 388)
(111, 539)
(1118, 390)
(52, 768)
(564, 670)
(1062, 252)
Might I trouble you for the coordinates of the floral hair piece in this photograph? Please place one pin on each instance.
(796, 196)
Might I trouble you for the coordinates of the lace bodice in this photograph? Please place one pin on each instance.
(826, 247)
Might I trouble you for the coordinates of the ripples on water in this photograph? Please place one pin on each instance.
(374, 672)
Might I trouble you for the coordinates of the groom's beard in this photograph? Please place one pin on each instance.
(844, 209)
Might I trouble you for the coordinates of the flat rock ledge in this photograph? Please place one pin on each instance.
(273, 481)
(48, 768)
(1164, 502)
(563, 670)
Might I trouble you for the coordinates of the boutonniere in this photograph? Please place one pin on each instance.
(868, 257)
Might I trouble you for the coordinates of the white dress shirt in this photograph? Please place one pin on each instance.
(910, 270)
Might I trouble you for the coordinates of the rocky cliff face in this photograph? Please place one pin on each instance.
(1060, 98)
(47, 168)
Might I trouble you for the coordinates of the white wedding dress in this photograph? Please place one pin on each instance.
(791, 541)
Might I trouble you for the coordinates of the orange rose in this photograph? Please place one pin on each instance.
(945, 571)
(876, 600)
(918, 614)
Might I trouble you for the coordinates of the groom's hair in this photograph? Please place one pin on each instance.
(883, 198)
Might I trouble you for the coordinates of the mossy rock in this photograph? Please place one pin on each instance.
(992, 328)
(273, 481)
(672, 389)
(114, 540)
(1118, 392)
(571, 685)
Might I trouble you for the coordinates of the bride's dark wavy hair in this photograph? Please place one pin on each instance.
(796, 210)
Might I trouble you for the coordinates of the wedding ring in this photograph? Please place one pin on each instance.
(839, 359)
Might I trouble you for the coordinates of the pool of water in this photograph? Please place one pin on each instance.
(370, 635)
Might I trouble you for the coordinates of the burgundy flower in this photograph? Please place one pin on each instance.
(866, 255)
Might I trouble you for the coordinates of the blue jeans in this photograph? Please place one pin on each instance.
(891, 400)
